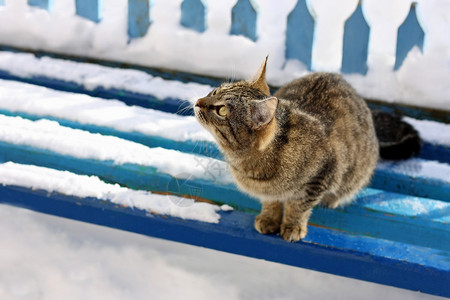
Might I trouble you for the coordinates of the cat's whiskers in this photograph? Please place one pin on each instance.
(187, 107)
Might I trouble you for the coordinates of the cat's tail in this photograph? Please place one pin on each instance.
(397, 139)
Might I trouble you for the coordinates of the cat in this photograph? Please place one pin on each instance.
(312, 142)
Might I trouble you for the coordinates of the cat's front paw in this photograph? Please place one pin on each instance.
(293, 233)
(267, 225)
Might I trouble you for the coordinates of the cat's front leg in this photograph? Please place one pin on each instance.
(295, 220)
(297, 211)
(269, 220)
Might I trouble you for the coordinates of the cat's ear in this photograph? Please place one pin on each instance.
(262, 112)
(258, 81)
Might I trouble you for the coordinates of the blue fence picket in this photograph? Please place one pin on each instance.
(356, 43)
(89, 9)
(138, 18)
(410, 34)
(193, 15)
(44, 4)
(300, 34)
(243, 19)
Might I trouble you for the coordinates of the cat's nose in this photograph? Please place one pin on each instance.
(200, 102)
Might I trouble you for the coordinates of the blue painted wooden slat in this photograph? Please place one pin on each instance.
(396, 217)
(171, 105)
(435, 152)
(193, 15)
(417, 186)
(130, 175)
(44, 4)
(356, 43)
(372, 215)
(300, 34)
(386, 262)
(172, 75)
(204, 148)
(138, 18)
(384, 178)
(411, 111)
(176, 105)
(243, 19)
(89, 9)
(410, 34)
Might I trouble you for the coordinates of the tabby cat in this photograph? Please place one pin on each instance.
(312, 142)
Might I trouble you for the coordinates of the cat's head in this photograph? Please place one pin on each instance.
(240, 115)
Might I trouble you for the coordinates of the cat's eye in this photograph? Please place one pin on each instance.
(221, 110)
(214, 92)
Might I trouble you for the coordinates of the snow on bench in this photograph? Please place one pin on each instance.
(382, 226)
(383, 260)
(183, 133)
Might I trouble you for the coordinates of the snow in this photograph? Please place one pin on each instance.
(82, 144)
(26, 98)
(46, 257)
(70, 184)
(41, 101)
(430, 131)
(414, 207)
(93, 76)
(416, 167)
(226, 207)
(422, 79)
(36, 100)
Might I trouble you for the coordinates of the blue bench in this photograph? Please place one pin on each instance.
(382, 237)
(396, 233)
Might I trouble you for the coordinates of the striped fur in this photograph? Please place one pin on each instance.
(317, 145)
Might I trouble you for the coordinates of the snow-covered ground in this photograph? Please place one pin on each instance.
(46, 257)
(422, 80)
